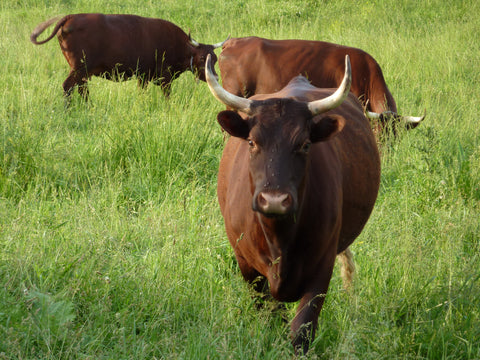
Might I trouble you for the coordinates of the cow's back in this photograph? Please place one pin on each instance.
(255, 65)
(128, 43)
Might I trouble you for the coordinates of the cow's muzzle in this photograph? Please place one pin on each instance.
(273, 203)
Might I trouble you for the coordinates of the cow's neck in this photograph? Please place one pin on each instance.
(280, 234)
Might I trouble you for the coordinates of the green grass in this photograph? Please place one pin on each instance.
(111, 241)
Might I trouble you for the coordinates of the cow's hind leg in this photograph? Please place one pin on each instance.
(75, 78)
(347, 268)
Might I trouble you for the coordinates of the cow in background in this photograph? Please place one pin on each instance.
(121, 46)
(254, 65)
(297, 182)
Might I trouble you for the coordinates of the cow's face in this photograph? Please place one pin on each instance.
(280, 134)
(199, 55)
(198, 58)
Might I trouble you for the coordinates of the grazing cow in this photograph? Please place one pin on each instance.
(297, 182)
(254, 65)
(120, 46)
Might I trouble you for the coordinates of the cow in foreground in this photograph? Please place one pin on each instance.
(120, 46)
(254, 65)
(297, 182)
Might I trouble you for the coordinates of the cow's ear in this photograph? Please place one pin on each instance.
(326, 127)
(233, 124)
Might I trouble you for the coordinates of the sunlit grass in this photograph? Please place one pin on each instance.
(111, 241)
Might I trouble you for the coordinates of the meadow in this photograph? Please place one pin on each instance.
(112, 245)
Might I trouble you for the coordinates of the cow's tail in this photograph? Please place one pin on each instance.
(43, 26)
(347, 271)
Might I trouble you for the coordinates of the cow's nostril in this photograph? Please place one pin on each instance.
(287, 202)
(262, 201)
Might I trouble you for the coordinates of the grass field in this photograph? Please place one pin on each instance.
(112, 245)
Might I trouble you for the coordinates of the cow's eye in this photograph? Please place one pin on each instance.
(252, 145)
(305, 147)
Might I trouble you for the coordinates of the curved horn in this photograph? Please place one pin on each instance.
(220, 44)
(193, 42)
(414, 120)
(233, 101)
(334, 100)
(372, 115)
(410, 120)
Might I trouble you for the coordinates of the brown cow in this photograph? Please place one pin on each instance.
(120, 46)
(254, 65)
(297, 182)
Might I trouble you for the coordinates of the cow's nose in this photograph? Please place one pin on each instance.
(274, 203)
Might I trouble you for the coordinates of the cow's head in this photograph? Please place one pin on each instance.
(198, 56)
(279, 133)
(389, 122)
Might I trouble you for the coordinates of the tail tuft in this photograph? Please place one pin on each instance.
(347, 271)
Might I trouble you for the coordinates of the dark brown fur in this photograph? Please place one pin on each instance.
(329, 192)
(121, 46)
(255, 65)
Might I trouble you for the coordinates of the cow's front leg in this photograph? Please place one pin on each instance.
(142, 81)
(165, 82)
(166, 86)
(251, 275)
(304, 324)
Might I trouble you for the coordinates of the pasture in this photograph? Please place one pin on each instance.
(112, 245)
